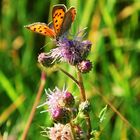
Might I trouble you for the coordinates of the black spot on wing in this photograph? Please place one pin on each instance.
(55, 14)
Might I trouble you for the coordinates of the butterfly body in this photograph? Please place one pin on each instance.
(61, 22)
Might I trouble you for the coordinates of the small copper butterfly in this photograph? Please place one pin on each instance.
(61, 22)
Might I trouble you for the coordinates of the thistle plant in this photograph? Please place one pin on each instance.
(64, 109)
(62, 105)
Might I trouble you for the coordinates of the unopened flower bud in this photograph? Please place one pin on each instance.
(84, 66)
(68, 99)
(61, 115)
(45, 59)
(80, 135)
(85, 107)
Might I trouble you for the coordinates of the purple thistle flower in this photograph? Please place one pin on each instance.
(55, 98)
(59, 103)
(71, 51)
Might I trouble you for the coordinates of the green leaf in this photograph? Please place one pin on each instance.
(102, 114)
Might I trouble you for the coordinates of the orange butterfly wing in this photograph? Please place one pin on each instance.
(62, 21)
(58, 14)
(41, 28)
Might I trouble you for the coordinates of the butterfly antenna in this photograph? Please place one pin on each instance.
(81, 34)
(77, 32)
(81, 31)
(84, 35)
(44, 46)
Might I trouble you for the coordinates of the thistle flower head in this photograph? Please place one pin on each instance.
(60, 132)
(59, 104)
(71, 51)
(58, 98)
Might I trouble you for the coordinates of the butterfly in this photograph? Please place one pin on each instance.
(61, 22)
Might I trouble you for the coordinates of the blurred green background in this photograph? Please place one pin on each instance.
(114, 30)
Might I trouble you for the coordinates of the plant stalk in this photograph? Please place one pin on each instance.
(32, 113)
(83, 99)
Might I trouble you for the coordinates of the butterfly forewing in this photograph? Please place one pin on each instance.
(41, 28)
(58, 14)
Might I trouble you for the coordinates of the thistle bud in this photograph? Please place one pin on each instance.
(61, 115)
(84, 66)
(68, 99)
(85, 107)
(45, 59)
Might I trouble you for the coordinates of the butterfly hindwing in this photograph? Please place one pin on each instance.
(58, 14)
(68, 19)
(72, 10)
(41, 28)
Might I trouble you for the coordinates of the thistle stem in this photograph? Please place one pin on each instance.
(32, 113)
(83, 98)
(69, 75)
(81, 87)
